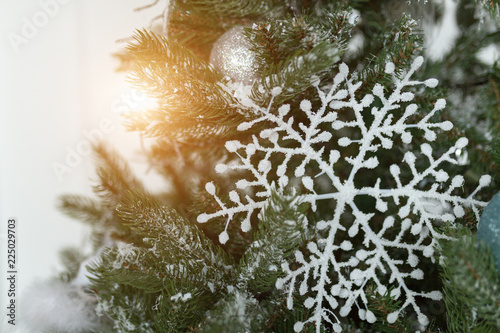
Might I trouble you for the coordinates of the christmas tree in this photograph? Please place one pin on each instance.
(327, 173)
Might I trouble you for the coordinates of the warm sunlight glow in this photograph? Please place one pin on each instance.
(134, 100)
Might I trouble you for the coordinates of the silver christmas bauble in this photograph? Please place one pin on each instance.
(231, 55)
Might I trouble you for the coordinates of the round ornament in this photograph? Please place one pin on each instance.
(231, 55)
(488, 229)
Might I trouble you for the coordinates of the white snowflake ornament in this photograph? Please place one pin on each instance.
(356, 244)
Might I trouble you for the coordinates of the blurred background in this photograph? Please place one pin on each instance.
(59, 91)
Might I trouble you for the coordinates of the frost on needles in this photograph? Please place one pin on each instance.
(371, 226)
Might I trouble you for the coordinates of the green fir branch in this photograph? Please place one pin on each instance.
(181, 315)
(71, 258)
(82, 208)
(192, 100)
(194, 31)
(495, 152)
(237, 312)
(179, 127)
(280, 232)
(132, 266)
(492, 6)
(152, 49)
(274, 41)
(297, 74)
(296, 52)
(115, 176)
(129, 309)
(383, 305)
(398, 43)
(169, 235)
(231, 8)
(175, 258)
(471, 285)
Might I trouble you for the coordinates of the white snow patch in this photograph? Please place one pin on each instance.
(489, 55)
(181, 297)
(58, 307)
(441, 37)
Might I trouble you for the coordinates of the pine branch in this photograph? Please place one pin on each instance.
(400, 43)
(179, 127)
(192, 101)
(492, 6)
(152, 49)
(282, 319)
(274, 41)
(126, 271)
(237, 312)
(71, 258)
(129, 309)
(170, 235)
(241, 312)
(115, 176)
(197, 32)
(126, 61)
(383, 305)
(174, 258)
(231, 8)
(82, 208)
(296, 52)
(471, 285)
(181, 312)
(495, 151)
(132, 266)
(280, 232)
(299, 74)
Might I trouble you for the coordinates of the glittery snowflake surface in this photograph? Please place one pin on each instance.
(380, 244)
